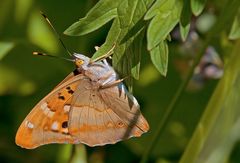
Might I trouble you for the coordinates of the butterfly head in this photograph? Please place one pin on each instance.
(81, 60)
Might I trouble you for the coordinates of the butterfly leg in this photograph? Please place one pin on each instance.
(108, 54)
(112, 84)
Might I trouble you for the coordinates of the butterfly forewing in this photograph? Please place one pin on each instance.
(48, 121)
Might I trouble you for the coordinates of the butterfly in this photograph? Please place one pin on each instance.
(90, 106)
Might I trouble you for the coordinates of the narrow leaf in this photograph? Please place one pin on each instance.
(167, 16)
(111, 40)
(159, 57)
(5, 47)
(235, 29)
(184, 30)
(79, 154)
(186, 13)
(197, 6)
(100, 14)
(218, 129)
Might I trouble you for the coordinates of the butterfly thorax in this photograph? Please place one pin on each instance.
(100, 72)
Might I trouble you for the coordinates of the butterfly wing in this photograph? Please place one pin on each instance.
(99, 117)
(76, 111)
(127, 108)
(47, 122)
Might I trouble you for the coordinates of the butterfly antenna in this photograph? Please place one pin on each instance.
(59, 38)
(52, 56)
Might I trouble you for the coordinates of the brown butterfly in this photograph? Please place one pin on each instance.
(90, 106)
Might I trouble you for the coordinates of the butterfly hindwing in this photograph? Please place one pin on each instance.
(126, 107)
(100, 117)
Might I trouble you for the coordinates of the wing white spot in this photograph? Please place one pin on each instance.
(43, 106)
(50, 114)
(29, 125)
(55, 125)
(66, 108)
(46, 110)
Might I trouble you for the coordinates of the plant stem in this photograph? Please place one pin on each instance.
(173, 103)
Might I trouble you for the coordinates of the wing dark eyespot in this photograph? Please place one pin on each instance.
(65, 124)
(61, 97)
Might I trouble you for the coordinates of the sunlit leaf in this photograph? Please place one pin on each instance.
(79, 154)
(111, 40)
(65, 153)
(198, 6)
(218, 129)
(126, 58)
(72, 154)
(235, 29)
(184, 30)
(185, 20)
(100, 14)
(5, 47)
(159, 57)
(165, 15)
(155, 8)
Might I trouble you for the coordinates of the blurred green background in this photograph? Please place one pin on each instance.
(25, 79)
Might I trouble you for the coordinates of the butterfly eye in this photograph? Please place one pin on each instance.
(79, 62)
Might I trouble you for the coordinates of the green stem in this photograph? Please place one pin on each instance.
(171, 106)
(71, 155)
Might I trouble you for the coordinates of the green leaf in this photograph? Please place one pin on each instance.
(72, 154)
(126, 57)
(154, 10)
(127, 26)
(218, 129)
(111, 40)
(186, 13)
(159, 57)
(100, 14)
(64, 153)
(165, 15)
(79, 154)
(184, 30)
(197, 6)
(5, 47)
(235, 29)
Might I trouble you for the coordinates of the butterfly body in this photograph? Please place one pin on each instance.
(89, 106)
(100, 71)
